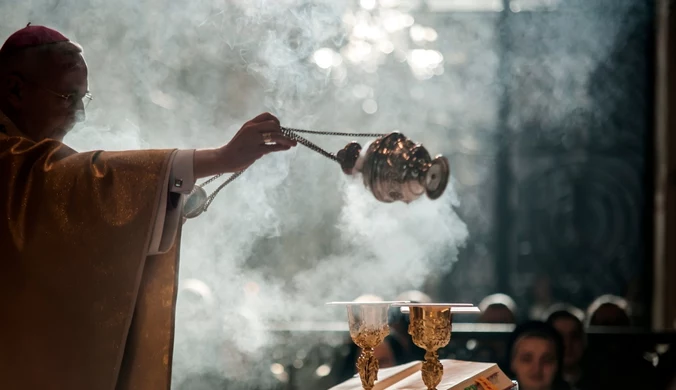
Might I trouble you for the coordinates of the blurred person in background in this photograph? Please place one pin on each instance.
(541, 297)
(568, 320)
(496, 309)
(612, 364)
(666, 369)
(609, 310)
(535, 355)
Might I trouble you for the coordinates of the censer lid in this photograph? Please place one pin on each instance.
(436, 177)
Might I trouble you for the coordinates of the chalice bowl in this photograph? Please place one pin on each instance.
(368, 328)
(430, 328)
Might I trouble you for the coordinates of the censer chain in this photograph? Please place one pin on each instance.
(309, 144)
(292, 130)
(291, 133)
(225, 183)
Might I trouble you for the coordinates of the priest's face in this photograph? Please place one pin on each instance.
(50, 100)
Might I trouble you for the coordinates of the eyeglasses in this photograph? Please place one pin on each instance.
(71, 99)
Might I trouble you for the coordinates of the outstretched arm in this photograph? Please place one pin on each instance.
(247, 146)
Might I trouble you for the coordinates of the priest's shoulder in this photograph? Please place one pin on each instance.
(21, 145)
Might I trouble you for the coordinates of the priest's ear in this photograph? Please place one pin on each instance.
(13, 89)
(12, 84)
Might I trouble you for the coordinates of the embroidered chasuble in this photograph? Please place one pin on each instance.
(83, 305)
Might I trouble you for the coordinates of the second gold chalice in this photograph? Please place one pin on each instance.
(430, 328)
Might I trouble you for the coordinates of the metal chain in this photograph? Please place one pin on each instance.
(211, 197)
(290, 129)
(210, 180)
(291, 133)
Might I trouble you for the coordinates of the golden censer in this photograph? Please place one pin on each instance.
(393, 167)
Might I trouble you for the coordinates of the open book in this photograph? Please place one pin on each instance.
(458, 375)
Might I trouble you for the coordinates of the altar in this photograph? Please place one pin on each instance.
(431, 328)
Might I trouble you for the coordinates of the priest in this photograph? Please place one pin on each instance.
(89, 241)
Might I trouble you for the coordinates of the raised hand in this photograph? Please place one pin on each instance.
(256, 138)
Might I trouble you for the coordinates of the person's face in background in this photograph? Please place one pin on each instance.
(572, 333)
(534, 363)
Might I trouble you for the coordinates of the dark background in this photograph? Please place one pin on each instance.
(571, 194)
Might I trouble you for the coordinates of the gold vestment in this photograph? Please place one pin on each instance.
(83, 305)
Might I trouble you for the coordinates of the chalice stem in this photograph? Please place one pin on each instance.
(367, 365)
(432, 370)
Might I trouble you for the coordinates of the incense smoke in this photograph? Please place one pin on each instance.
(294, 232)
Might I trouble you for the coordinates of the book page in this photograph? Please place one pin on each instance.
(458, 375)
(386, 377)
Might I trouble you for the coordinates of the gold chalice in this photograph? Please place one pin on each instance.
(368, 328)
(430, 327)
